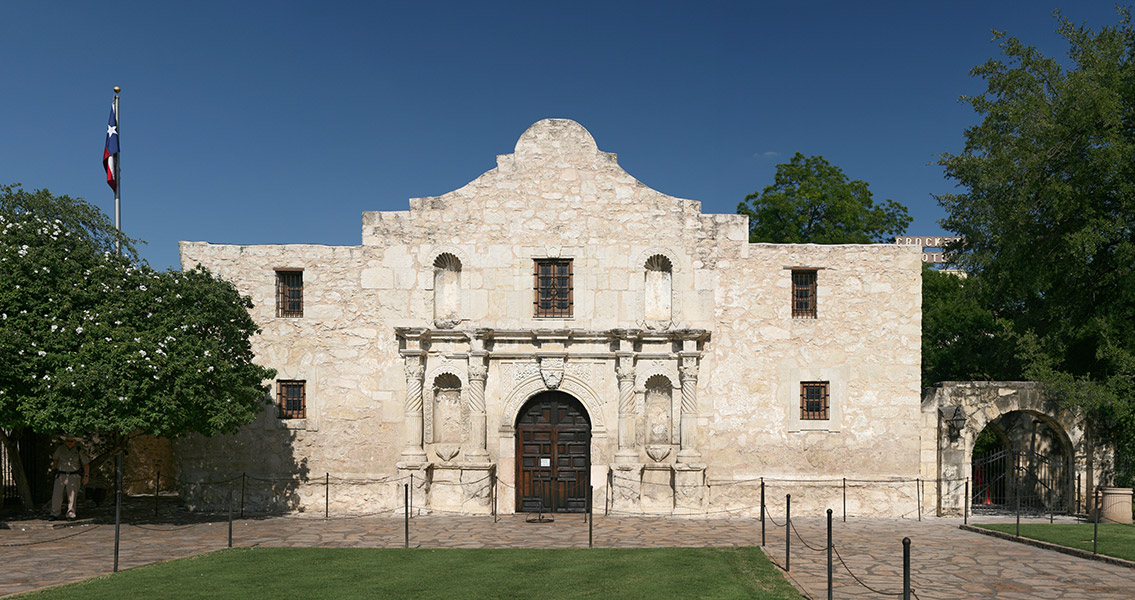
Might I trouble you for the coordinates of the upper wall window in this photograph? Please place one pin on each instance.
(814, 401)
(657, 288)
(289, 293)
(553, 287)
(804, 293)
(447, 283)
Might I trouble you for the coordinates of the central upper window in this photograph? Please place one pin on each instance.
(553, 285)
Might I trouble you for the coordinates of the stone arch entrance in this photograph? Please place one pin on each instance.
(1022, 458)
(956, 413)
(553, 454)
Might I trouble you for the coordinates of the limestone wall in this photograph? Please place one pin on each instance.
(558, 196)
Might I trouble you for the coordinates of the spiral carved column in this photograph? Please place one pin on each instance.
(688, 375)
(627, 452)
(477, 375)
(413, 415)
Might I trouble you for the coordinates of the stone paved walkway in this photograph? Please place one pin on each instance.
(947, 563)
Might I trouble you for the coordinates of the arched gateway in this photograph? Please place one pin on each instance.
(553, 454)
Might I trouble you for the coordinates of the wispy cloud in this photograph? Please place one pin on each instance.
(768, 154)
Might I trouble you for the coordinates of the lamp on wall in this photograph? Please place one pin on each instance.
(955, 419)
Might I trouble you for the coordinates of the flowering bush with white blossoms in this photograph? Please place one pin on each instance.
(95, 342)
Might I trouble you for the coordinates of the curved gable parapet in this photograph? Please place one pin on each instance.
(559, 141)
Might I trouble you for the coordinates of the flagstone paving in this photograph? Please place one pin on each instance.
(946, 562)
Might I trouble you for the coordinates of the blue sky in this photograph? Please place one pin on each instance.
(280, 122)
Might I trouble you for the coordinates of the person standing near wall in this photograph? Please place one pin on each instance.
(67, 462)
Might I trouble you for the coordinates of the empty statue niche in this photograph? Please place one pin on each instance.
(447, 286)
(658, 288)
(447, 421)
(659, 408)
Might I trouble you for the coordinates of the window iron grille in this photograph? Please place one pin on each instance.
(803, 294)
(814, 401)
(554, 295)
(289, 294)
(292, 400)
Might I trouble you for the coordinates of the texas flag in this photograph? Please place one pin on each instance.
(110, 154)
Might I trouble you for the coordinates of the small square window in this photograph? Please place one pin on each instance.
(814, 401)
(289, 294)
(804, 293)
(553, 288)
(291, 399)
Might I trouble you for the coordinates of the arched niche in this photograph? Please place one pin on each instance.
(658, 289)
(447, 290)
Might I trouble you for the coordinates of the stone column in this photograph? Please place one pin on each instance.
(478, 372)
(413, 454)
(625, 373)
(688, 375)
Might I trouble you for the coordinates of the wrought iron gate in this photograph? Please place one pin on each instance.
(1004, 478)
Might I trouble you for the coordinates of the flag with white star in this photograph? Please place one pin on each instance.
(110, 154)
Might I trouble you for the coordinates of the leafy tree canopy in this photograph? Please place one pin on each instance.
(1047, 209)
(95, 343)
(812, 201)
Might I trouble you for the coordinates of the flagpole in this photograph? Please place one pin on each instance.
(118, 176)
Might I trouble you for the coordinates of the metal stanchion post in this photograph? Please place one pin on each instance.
(787, 530)
(157, 485)
(230, 516)
(406, 504)
(117, 504)
(762, 511)
(906, 568)
(326, 495)
(844, 499)
(410, 500)
(1051, 508)
(918, 497)
(591, 518)
(243, 478)
(965, 505)
(494, 481)
(1018, 495)
(830, 546)
(1095, 526)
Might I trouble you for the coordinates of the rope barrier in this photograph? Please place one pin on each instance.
(857, 579)
(174, 528)
(17, 544)
(806, 544)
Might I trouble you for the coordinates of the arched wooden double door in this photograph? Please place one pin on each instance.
(553, 454)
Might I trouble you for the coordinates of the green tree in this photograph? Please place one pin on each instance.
(962, 340)
(812, 201)
(102, 345)
(1048, 210)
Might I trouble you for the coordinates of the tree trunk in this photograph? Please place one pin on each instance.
(22, 487)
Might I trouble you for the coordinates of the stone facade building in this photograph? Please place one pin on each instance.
(557, 326)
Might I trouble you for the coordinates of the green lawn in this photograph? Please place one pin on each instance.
(309, 573)
(1114, 539)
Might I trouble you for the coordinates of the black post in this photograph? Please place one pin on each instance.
(762, 511)
(787, 529)
(1018, 495)
(406, 504)
(243, 477)
(410, 500)
(230, 516)
(1095, 528)
(157, 485)
(1051, 508)
(117, 504)
(918, 496)
(326, 495)
(591, 518)
(830, 554)
(965, 506)
(844, 499)
(494, 492)
(906, 568)
(1077, 494)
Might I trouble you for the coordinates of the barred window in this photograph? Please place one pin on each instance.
(291, 399)
(553, 287)
(804, 293)
(814, 401)
(289, 293)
